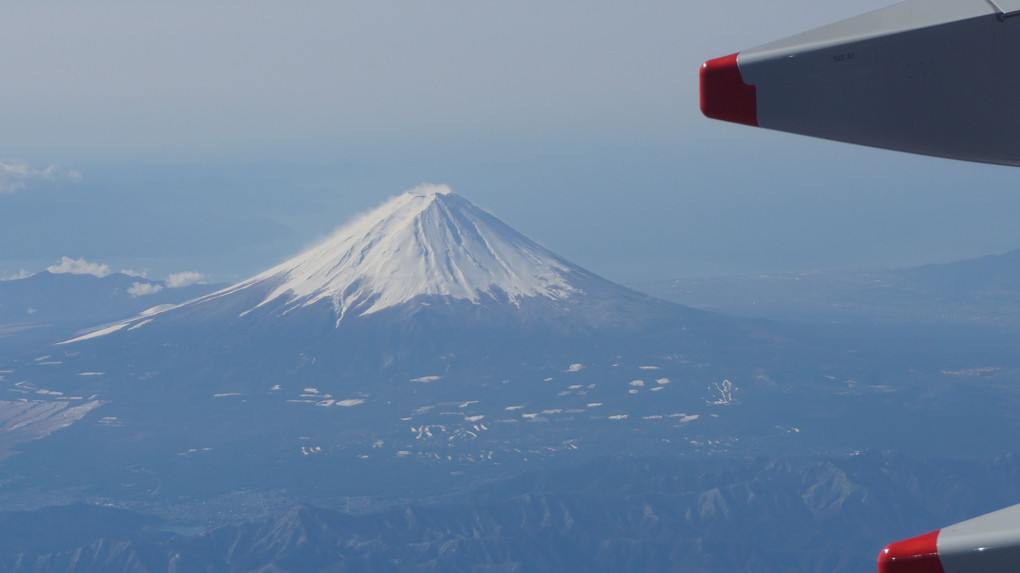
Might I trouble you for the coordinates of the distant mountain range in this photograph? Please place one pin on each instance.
(983, 291)
(48, 307)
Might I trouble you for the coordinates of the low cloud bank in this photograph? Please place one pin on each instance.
(23, 274)
(183, 279)
(17, 174)
(141, 289)
(79, 267)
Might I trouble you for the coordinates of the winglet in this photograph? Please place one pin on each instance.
(915, 555)
(724, 95)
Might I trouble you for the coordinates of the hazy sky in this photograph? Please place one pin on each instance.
(221, 137)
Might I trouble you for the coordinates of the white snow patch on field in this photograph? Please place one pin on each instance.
(24, 420)
(684, 418)
(722, 392)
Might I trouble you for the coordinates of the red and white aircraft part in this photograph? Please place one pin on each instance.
(989, 544)
(936, 77)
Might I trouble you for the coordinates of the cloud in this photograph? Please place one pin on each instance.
(79, 267)
(134, 273)
(15, 174)
(23, 274)
(186, 278)
(141, 289)
(18, 275)
(431, 189)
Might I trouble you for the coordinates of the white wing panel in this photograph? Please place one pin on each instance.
(1009, 7)
(989, 543)
(936, 77)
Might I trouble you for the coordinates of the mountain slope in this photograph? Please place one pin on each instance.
(49, 306)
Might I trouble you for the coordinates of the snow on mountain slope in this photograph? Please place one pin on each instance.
(426, 242)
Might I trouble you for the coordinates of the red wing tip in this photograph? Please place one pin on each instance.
(915, 555)
(724, 95)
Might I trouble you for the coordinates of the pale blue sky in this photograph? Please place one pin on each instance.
(221, 137)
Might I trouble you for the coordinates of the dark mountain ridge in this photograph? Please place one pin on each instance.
(612, 513)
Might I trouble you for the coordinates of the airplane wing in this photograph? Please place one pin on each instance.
(989, 544)
(935, 77)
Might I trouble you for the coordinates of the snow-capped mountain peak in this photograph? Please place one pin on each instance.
(425, 242)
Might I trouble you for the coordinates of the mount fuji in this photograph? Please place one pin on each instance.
(426, 336)
(428, 246)
(427, 276)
